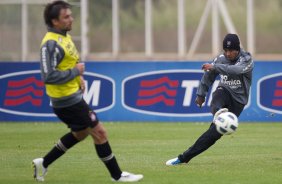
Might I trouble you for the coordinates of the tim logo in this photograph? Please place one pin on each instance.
(164, 93)
(270, 93)
(23, 93)
(99, 92)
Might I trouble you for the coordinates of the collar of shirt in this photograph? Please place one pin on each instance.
(51, 29)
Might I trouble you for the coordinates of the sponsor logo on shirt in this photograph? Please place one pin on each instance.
(234, 84)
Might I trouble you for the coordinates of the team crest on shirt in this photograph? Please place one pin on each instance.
(60, 39)
(92, 116)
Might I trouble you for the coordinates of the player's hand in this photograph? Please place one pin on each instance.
(199, 101)
(80, 67)
(207, 67)
(82, 84)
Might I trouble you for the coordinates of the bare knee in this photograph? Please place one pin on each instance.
(99, 134)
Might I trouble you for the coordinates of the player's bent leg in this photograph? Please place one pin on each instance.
(205, 141)
(40, 165)
(104, 151)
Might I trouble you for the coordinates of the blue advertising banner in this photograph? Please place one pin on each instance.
(137, 91)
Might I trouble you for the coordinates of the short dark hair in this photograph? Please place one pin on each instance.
(52, 11)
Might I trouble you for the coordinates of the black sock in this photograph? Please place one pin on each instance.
(66, 142)
(105, 154)
(205, 141)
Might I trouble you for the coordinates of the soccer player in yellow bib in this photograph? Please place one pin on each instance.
(62, 74)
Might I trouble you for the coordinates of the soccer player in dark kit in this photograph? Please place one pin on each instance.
(62, 73)
(235, 68)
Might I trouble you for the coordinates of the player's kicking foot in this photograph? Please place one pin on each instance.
(39, 170)
(129, 177)
(174, 161)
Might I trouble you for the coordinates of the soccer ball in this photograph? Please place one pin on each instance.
(226, 123)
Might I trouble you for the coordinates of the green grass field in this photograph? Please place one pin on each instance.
(252, 155)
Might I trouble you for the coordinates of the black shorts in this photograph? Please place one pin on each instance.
(78, 116)
(221, 98)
